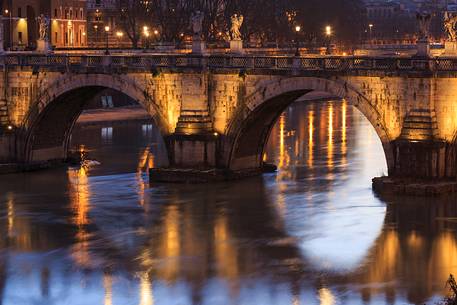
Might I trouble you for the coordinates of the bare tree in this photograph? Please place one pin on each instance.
(172, 17)
(133, 14)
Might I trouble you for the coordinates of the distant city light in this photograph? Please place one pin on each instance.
(328, 30)
(297, 28)
(107, 28)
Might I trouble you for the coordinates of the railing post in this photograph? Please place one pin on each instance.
(106, 60)
(296, 65)
(204, 62)
(172, 61)
(84, 61)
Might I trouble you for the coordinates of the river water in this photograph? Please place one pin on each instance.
(312, 233)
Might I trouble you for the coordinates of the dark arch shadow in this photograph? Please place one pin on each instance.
(252, 137)
(48, 135)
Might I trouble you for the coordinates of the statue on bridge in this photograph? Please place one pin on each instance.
(43, 44)
(236, 43)
(424, 19)
(449, 26)
(237, 22)
(198, 45)
(197, 23)
(43, 22)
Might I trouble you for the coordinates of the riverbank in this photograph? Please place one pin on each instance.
(414, 187)
(197, 176)
(98, 116)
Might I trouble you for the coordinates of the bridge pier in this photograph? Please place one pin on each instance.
(420, 159)
(419, 152)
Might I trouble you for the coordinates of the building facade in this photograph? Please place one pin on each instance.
(68, 23)
(67, 28)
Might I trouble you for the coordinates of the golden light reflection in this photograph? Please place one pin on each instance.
(330, 138)
(146, 296)
(170, 247)
(79, 182)
(387, 255)
(146, 161)
(284, 158)
(108, 286)
(10, 206)
(80, 203)
(415, 240)
(226, 254)
(141, 188)
(282, 148)
(310, 138)
(443, 259)
(344, 129)
(326, 297)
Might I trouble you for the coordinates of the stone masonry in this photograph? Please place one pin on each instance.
(219, 116)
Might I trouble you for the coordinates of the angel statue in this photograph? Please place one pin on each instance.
(449, 26)
(197, 23)
(237, 22)
(43, 22)
(424, 20)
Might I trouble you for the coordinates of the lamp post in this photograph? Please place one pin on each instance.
(107, 45)
(370, 26)
(10, 19)
(297, 32)
(328, 34)
(146, 35)
(96, 35)
(119, 36)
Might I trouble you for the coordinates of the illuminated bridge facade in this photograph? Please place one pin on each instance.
(216, 111)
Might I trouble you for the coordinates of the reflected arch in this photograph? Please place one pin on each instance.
(249, 130)
(45, 134)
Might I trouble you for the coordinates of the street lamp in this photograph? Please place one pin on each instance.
(96, 35)
(8, 13)
(297, 32)
(328, 34)
(146, 35)
(370, 26)
(107, 45)
(119, 36)
(328, 30)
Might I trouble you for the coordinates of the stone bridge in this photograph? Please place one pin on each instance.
(216, 111)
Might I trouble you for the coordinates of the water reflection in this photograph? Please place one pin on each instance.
(311, 234)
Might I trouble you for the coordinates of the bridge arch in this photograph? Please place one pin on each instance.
(249, 129)
(46, 131)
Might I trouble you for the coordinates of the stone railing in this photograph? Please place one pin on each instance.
(316, 63)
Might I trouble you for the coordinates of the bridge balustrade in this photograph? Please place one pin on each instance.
(318, 63)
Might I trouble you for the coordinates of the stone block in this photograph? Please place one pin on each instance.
(236, 46)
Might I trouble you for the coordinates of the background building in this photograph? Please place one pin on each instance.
(67, 29)
(68, 23)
